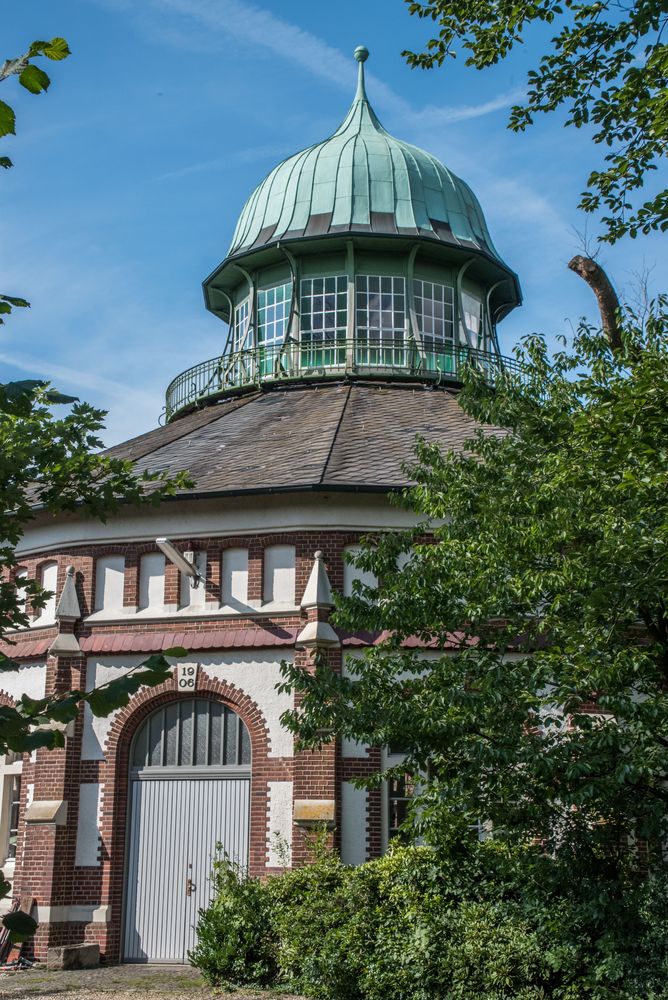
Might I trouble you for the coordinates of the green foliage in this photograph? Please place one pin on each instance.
(36, 81)
(546, 583)
(234, 937)
(481, 922)
(54, 463)
(607, 66)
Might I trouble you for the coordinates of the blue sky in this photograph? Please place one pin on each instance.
(130, 174)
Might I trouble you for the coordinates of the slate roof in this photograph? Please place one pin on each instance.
(337, 436)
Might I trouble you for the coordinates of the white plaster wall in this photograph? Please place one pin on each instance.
(152, 580)
(88, 825)
(234, 584)
(49, 581)
(280, 824)
(194, 597)
(279, 575)
(351, 748)
(109, 580)
(30, 680)
(203, 518)
(353, 824)
(254, 673)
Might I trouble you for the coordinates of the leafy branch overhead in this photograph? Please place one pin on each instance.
(35, 80)
(606, 66)
(54, 463)
(29, 724)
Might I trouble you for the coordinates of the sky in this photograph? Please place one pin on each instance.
(131, 171)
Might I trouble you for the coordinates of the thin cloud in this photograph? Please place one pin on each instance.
(437, 115)
(258, 27)
(235, 157)
(42, 368)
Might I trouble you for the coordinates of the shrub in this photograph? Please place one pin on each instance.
(484, 923)
(235, 942)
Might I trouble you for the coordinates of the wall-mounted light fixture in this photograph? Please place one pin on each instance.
(184, 561)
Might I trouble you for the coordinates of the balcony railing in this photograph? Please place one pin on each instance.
(314, 362)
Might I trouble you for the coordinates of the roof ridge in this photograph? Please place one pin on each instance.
(335, 435)
(186, 429)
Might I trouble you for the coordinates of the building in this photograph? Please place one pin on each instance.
(361, 277)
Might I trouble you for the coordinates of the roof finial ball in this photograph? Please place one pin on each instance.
(361, 54)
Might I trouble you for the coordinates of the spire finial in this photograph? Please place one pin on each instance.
(361, 53)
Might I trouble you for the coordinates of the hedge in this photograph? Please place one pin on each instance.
(484, 924)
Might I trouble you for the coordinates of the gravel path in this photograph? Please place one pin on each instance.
(123, 982)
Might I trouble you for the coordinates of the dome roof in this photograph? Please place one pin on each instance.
(362, 179)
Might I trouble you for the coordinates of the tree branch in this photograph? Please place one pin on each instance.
(606, 296)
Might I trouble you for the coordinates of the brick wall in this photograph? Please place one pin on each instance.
(47, 866)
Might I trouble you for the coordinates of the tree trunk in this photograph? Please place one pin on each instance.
(606, 296)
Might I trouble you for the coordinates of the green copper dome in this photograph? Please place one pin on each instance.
(362, 180)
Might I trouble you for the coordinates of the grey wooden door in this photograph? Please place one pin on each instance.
(189, 791)
(175, 824)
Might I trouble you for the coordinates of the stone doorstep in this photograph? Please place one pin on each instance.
(73, 956)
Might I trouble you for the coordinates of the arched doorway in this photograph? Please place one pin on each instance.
(189, 790)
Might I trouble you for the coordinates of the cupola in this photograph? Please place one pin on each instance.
(360, 256)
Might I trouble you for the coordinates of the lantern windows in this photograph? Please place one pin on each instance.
(241, 317)
(472, 321)
(324, 321)
(273, 312)
(434, 309)
(380, 321)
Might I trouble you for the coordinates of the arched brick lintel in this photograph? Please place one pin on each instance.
(129, 719)
(114, 773)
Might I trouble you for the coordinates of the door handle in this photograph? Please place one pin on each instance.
(190, 885)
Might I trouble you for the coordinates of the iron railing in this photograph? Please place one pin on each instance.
(360, 357)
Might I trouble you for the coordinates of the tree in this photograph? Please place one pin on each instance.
(54, 464)
(607, 66)
(540, 568)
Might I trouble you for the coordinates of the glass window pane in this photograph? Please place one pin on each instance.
(155, 738)
(216, 733)
(201, 732)
(141, 742)
(14, 805)
(186, 748)
(230, 737)
(195, 732)
(171, 734)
